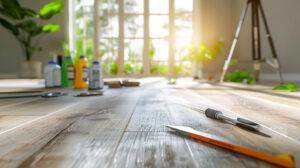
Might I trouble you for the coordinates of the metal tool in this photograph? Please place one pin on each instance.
(240, 122)
(49, 94)
(284, 160)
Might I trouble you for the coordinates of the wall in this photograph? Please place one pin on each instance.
(284, 22)
(219, 20)
(10, 50)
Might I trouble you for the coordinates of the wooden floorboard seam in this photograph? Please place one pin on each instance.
(31, 159)
(124, 131)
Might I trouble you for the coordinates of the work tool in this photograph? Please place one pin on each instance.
(284, 160)
(215, 114)
(256, 8)
(48, 94)
(240, 122)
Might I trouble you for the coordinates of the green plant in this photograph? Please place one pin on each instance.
(66, 48)
(23, 23)
(203, 52)
(158, 68)
(113, 68)
(172, 80)
(287, 87)
(240, 77)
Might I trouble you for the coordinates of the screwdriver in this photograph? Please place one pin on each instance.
(215, 114)
(240, 122)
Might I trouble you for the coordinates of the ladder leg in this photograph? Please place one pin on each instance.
(256, 46)
(227, 61)
(271, 42)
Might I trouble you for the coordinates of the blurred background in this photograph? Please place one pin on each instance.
(159, 37)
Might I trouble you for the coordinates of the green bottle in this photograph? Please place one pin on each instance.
(67, 72)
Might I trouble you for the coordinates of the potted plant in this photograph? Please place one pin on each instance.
(202, 52)
(27, 27)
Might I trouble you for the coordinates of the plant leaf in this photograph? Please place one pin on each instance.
(66, 48)
(220, 43)
(28, 26)
(51, 9)
(50, 28)
(9, 26)
(13, 8)
(6, 13)
(29, 12)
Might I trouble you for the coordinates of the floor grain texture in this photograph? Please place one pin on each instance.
(125, 127)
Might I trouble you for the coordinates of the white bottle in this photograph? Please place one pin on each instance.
(95, 76)
(52, 75)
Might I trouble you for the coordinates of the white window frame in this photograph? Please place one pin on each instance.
(197, 33)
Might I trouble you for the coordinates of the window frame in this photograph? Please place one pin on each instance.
(196, 26)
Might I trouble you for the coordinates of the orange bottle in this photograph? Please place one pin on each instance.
(81, 73)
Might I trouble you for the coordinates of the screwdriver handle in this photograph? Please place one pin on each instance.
(211, 113)
(240, 122)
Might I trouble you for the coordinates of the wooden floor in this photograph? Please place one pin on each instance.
(125, 127)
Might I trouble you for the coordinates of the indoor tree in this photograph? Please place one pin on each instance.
(26, 24)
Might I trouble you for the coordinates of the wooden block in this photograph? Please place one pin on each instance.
(115, 84)
(127, 83)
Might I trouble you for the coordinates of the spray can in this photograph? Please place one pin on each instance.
(95, 76)
(52, 75)
(81, 73)
(67, 72)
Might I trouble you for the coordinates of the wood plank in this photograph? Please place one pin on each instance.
(85, 136)
(166, 149)
(125, 128)
(284, 137)
(154, 111)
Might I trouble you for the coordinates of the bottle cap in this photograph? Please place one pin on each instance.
(51, 62)
(68, 57)
(95, 62)
(81, 56)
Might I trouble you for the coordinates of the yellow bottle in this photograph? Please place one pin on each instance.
(81, 73)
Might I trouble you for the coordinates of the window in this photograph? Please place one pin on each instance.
(108, 22)
(84, 28)
(134, 36)
(159, 36)
(183, 23)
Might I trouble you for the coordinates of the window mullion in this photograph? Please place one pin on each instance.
(171, 37)
(121, 37)
(146, 60)
(96, 30)
(71, 25)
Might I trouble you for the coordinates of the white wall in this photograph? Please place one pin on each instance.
(10, 50)
(284, 21)
(219, 18)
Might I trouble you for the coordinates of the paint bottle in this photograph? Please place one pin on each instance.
(81, 73)
(67, 72)
(95, 76)
(52, 75)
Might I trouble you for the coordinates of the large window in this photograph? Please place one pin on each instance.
(134, 36)
(84, 28)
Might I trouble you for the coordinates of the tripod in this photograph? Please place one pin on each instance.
(256, 47)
